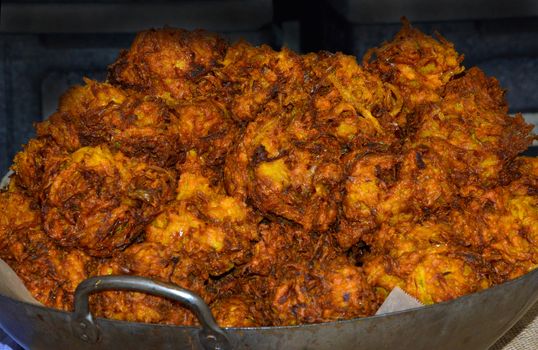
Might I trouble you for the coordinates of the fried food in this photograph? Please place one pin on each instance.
(236, 311)
(205, 126)
(20, 219)
(422, 260)
(99, 113)
(147, 259)
(302, 277)
(52, 274)
(384, 188)
(419, 65)
(39, 158)
(501, 223)
(208, 231)
(283, 176)
(282, 188)
(289, 157)
(256, 76)
(471, 131)
(168, 63)
(99, 201)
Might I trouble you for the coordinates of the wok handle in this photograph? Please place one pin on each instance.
(211, 335)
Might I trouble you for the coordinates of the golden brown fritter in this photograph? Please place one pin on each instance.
(326, 292)
(385, 188)
(168, 63)
(98, 113)
(52, 274)
(302, 278)
(100, 202)
(236, 311)
(147, 259)
(202, 233)
(39, 158)
(255, 76)
(463, 140)
(501, 223)
(417, 64)
(472, 119)
(208, 231)
(484, 239)
(423, 261)
(205, 126)
(79, 101)
(350, 103)
(141, 126)
(282, 188)
(285, 177)
(19, 220)
(289, 157)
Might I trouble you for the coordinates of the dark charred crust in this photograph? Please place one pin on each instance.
(197, 71)
(260, 155)
(420, 161)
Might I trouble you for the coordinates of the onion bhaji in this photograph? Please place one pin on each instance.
(282, 188)
(169, 63)
(100, 201)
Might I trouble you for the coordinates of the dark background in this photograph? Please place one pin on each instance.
(46, 46)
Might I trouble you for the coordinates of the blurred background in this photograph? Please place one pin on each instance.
(47, 46)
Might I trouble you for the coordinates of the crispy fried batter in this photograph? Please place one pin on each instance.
(289, 157)
(18, 222)
(168, 62)
(282, 188)
(39, 158)
(352, 104)
(52, 275)
(144, 259)
(471, 131)
(205, 125)
(417, 64)
(502, 225)
(207, 230)
(422, 260)
(99, 113)
(255, 76)
(100, 202)
(236, 311)
(392, 189)
(304, 279)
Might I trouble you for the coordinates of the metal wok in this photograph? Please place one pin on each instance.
(474, 321)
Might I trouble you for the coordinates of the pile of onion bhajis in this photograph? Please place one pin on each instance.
(282, 188)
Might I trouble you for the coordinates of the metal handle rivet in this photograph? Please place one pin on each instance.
(84, 337)
(83, 325)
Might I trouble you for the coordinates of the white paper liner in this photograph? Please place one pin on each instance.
(12, 286)
(5, 180)
(398, 300)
